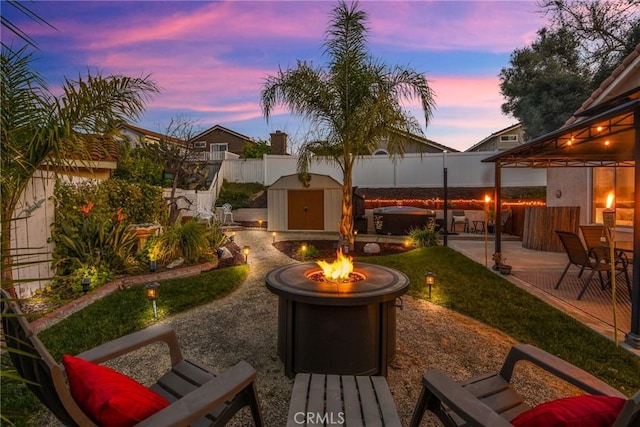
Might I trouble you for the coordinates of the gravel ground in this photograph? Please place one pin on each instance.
(242, 326)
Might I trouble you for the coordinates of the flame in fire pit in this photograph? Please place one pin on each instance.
(338, 270)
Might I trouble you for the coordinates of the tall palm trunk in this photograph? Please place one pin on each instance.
(346, 221)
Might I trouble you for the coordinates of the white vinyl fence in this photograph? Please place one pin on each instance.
(412, 170)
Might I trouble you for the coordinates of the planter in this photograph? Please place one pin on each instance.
(504, 269)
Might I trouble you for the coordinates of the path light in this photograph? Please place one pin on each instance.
(246, 251)
(430, 280)
(274, 236)
(233, 236)
(86, 284)
(303, 249)
(153, 265)
(259, 223)
(151, 289)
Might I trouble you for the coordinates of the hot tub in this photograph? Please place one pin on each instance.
(400, 219)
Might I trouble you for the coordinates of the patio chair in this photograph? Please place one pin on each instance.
(206, 214)
(458, 217)
(598, 239)
(584, 259)
(195, 395)
(491, 400)
(227, 213)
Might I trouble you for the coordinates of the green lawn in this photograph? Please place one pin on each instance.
(462, 285)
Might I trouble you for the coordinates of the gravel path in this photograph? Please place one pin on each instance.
(242, 326)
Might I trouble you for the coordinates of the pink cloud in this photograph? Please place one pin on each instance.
(496, 27)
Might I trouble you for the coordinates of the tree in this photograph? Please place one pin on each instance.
(176, 147)
(38, 127)
(585, 41)
(607, 29)
(255, 149)
(352, 104)
(544, 84)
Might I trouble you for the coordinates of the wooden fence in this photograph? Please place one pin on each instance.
(541, 223)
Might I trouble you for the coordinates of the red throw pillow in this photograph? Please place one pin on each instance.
(108, 397)
(582, 411)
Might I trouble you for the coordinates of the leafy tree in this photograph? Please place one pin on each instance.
(352, 104)
(256, 149)
(545, 83)
(142, 164)
(607, 29)
(38, 127)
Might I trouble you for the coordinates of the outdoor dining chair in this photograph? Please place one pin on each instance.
(81, 392)
(598, 239)
(492, 400)
(585, 259)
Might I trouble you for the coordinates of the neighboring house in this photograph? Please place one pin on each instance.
(139, 136)
(414, 144)
(501, 140)
(217, 141)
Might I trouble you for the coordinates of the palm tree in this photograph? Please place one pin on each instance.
(353, 104)
(38, 128)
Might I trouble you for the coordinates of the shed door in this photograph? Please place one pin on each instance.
(305, 209)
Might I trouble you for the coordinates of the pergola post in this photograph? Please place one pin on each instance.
(497, 207)
(633, 337)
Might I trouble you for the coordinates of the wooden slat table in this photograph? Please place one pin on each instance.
(345, 400)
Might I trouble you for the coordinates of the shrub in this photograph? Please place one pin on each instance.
(311, 252)
(424, 237)
(238, 195)
(188, 241)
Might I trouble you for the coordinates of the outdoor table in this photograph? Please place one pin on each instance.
(349, 400)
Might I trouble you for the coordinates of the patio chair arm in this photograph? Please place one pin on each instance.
(558, 367)
(134, 341)
(460, 401)
(205, 398)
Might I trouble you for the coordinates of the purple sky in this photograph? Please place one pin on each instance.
(211, 58)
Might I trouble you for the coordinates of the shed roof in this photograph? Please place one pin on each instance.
(318, 181)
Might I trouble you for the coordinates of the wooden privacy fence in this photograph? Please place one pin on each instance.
(541, 223)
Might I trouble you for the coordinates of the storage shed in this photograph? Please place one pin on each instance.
(292, 206)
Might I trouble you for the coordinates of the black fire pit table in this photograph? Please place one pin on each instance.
(336, 328)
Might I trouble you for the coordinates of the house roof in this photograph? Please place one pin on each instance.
(422, 140)
(602, 132)
(493, 135)
(224, 129)
(142, 131)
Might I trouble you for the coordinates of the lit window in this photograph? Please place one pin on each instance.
(622, 181)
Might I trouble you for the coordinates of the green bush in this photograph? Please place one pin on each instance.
(311, 252)
(188, 241)
(94, 246)
(423, 237)
(238, 195)
(143, 165)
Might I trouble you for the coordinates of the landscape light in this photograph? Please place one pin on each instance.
(430, 280)
(151, 290)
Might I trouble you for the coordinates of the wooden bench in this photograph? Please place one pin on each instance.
(324, 400)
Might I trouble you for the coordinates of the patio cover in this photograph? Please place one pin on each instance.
(605, 135)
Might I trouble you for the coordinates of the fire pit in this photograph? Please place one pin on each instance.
(342, 328)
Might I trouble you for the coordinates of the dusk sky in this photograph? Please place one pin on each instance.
(211, 59)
